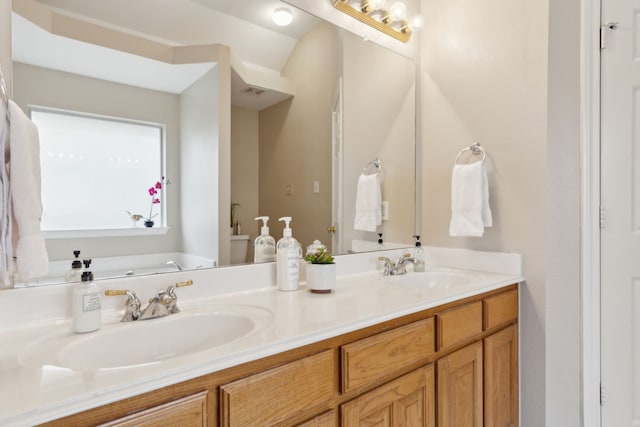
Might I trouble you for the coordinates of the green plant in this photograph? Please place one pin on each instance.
(321, 256)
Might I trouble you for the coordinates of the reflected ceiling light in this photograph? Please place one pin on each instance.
(392, 21)
(282, 16)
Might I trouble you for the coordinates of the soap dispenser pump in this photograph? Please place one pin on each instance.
(264, 247)
(418, 254)
(75, 274)
(288, 253)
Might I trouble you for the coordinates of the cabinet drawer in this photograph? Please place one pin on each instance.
(372, 358)
(280, 393)
(190, 410)
(458, 324)
(500, 309)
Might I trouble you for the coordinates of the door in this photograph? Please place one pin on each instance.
(405, 402)
(620, 199)
(336, 167)
(460, 393)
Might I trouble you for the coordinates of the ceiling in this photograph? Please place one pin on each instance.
(243, 25)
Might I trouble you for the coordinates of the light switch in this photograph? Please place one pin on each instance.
(385, 210)
(316, 186)
(288, 190)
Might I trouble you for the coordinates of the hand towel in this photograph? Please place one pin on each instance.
(24, 175)
(368, 203)
(470, 210)
(6, 248)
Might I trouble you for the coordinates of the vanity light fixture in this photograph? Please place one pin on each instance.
(392, 21)
(282, 16)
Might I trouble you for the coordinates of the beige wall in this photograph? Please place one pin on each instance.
(484, 79)
(295, 141)
(245, 170)
(379, 122)
(49, 88)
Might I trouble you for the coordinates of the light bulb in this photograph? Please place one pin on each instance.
(282, 16)
(417, 23)
(398, 12)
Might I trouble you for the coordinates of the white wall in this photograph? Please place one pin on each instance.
(484, 79)
(199, 166)
(379, 122)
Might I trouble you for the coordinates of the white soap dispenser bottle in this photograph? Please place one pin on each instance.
(288, 253)
(87, 305)
(264, 247)
(418, 254)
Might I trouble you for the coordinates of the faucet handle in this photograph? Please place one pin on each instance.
(132, 310)
(171, 299)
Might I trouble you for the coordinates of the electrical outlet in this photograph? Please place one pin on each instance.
(316, 186)
(385, 210)
(288, 190)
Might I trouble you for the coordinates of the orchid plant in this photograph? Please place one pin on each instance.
(155, 198)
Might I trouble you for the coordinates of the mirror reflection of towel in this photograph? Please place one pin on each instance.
(470, 211)
(368, 203)
(24, 175)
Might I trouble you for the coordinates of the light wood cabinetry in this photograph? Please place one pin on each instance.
(406, 401)
(501, 378)
(277, 394)
(375, 357)
(452, 365)
(188, 411)
(460, 388)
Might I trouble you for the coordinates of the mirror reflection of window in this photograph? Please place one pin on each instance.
(119, 159)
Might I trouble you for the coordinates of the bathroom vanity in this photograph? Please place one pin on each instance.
(434, 349)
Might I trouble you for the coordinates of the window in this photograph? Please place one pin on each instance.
(96, 168)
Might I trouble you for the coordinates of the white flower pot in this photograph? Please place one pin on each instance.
(321, 278)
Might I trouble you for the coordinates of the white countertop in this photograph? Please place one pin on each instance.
(31, 395)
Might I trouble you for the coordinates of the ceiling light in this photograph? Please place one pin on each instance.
(282, 16)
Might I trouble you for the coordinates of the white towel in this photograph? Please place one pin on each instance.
(6, 248)
(470, 211)
(368, 203)
(24, 175)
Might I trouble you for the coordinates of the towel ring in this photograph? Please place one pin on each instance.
(376, 163)
(475, 149)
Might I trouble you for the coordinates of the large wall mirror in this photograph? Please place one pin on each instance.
(257, 120)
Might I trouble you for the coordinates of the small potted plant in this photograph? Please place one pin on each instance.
(321, 270)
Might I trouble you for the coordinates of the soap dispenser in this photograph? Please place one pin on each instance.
(87, 305)
(264, 247)
(288, 252)
(75, 274)
(418, 254)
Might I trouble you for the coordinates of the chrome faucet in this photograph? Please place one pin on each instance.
(176, 264)
(163, 304)
(398, 267)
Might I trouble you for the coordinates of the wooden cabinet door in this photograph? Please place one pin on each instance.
(501, 378)
(460, 388)
(405, 402)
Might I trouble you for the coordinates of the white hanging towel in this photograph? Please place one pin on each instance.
(368, 203)
(24, 175)
(470, 210)
(6, 245)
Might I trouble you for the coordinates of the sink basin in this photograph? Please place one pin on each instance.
(120, 345)
(435, 278)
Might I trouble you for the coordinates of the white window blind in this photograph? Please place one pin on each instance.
(96, 168)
